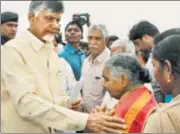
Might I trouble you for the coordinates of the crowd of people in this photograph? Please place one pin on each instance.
(127, 85)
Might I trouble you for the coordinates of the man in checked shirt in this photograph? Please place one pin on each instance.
(92, 91)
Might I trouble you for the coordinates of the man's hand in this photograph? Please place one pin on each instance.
(98, 122)
(103, 110)
(76, 104)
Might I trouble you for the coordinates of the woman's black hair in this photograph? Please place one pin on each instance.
(167, 47)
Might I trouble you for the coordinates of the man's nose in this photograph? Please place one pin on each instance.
(93, 41)
(55, 26)
(14, 28)
(72, 32)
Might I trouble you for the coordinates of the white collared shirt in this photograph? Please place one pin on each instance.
(150, 67)
(31, 89)
(68, 78)
(93, 91)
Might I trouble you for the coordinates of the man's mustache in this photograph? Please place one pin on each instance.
(93, 46)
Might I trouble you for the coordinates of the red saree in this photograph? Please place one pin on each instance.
(134, 107)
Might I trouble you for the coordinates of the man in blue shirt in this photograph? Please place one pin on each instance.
(72, 52)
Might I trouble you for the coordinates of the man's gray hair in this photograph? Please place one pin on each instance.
(126, 44)
(123, 63)
(100, 27)
(53, 6)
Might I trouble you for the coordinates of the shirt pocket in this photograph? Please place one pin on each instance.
(97, 86)
(56, 79)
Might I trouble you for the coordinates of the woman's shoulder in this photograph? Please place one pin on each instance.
(165, 117)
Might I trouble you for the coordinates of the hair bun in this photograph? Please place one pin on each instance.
(144, 75)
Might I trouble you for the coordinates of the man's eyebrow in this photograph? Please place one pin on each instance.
(89, 36)
(11, 24)
(53, 17)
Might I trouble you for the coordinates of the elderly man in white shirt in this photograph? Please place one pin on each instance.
(68, 79)
(92, 91)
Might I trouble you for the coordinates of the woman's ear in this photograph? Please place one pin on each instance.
(167, 71)
(124, 80)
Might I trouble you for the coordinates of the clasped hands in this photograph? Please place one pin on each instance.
(101, 120)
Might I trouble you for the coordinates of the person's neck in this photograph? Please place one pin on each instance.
(131, 87)
(94, 56)
(34, 33)
(4, 39)
(176, 89)
(75, 45)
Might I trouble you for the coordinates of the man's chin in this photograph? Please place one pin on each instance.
(48, 38)
(94, 53)
(73, 41)
(11, 37)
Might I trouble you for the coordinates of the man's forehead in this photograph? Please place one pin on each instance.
(47, 12)
(95, 33)
(73, 26)
(10, 22)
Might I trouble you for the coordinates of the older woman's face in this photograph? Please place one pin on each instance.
(114, 87)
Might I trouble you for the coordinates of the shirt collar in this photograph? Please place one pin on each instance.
(102, 56)
(176, 98)
(36, 43)
(71, 49)
(4, 40)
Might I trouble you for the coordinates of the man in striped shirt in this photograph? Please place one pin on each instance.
(93, 92)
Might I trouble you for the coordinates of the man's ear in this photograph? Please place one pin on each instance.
(141, 59)
(31, 17)
(124, 80)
